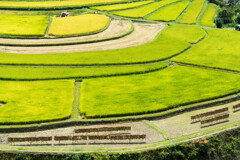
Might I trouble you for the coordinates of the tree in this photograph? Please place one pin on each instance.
(219, 23)
(226, 15)
(232, 2)
(238, 19)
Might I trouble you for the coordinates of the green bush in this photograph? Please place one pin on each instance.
(238, 19)
(226, 14)
(219, 23)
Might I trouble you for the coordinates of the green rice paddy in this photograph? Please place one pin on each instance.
(35, 101)
(156, 91)
(169, 13)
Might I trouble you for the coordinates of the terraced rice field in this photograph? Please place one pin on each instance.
(124, 51)
(78, 25)
(121, 6)
(192, 13)
(218, 50)
(53, 4)
(37, 101)
(156, 91)
(188, 33)
(169, 13)
(14, 25)
(143, 11)
(208, 17)
(131, 60)
(115, 30)
(39, 73)
(159, 49)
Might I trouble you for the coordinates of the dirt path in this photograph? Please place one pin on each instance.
(143, 33)
(136, 128)
(115, 29)
(180, 125)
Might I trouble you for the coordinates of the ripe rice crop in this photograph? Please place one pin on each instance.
(78, 25)
(14, 25)
(53, 4)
